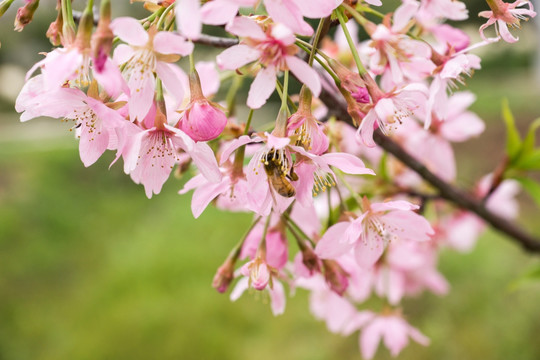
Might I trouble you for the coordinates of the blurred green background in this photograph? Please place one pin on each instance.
(92, 269)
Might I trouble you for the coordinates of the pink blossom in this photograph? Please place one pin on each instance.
(393, 330)
(276, 293)
(395, 54)
(149, 156)
(274, 49)
(503, 14)
(95, 123)
(148, 52)
(373, 231)
(391, 109)
(258, 272)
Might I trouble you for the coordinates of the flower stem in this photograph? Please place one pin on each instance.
(304, 46)
(68, 29)
(343, 22)
(316, 42)
(163, 15)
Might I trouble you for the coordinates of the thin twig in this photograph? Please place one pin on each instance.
(216, 41)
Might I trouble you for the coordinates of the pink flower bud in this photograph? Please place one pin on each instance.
(203, 121)
(361, 95)
(25, 14)
(335, 277)
(224, 276)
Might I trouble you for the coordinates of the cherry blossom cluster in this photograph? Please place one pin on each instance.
(333, 213)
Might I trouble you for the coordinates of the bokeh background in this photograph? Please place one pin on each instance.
(92, 269)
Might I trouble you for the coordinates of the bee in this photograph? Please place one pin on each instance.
(278, 178)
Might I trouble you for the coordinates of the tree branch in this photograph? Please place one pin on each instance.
(216, 41)
(447, 191)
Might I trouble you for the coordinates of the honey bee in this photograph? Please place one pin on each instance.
(279, 180)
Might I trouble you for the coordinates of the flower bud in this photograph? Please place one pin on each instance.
(54, 33)
(202, 120)
(102, 40)
(224, 276)
(310, 260)
(350, 81)
(335, 276)
(25, 14)
(86, 25)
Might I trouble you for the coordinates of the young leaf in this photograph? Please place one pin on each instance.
(530, 162)
(513, 140)
(527, 149)
(531, 186)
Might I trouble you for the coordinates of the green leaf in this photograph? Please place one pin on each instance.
(527, 148)
(513, 140)
(530, 162)
(531, 186)
(530, 276)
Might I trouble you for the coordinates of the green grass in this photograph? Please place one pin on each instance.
(91, 269)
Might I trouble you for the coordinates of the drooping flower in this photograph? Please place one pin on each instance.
(151, 153)
(504, 14)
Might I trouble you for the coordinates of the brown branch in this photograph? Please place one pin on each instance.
(447, 191)
(216, 41)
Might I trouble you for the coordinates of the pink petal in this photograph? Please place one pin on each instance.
(188, 17)
(347, 163)
(141, 88)
(111, 79)
(166, 42)
(171, 75)
(209, 77)
(305, 74)
(218, 12)
(395, 335)
(204, 158)
(368, 250)
(237, 56)
(129, 30)
(366, 128)
(370, 337)
(331, 246)
(122, 53)
(277, 298)
(244, 27)
(61, 67)
(204, 194)
(92, 144)
(232, 146)
(393, 205)
(286, 12)
(262, 87)
(317, 8)
(505, 33)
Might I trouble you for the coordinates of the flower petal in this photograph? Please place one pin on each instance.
(262, 87)
(129, 30)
